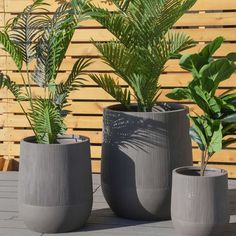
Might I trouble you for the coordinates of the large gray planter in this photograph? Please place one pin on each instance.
(139, 152)
(199, 204)
(55, 184)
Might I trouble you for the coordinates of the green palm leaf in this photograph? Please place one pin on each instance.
(143, 43)
(10, 47)
(73, 82)
(113, 88)
(12, 86)
(26, 28)
(46, 121)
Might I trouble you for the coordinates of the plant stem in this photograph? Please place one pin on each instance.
(28, 79)
(29, 97)
(25, 113)
(206, 161)
(202, 163)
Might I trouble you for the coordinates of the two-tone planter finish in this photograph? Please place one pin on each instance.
(55, 184)
(199, 203)
(139, 152)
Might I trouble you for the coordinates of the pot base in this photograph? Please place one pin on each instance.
(196, 229)
(137, 204)
(55, 219)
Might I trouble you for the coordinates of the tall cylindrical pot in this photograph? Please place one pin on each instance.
(139, 152)
(199, 203)
(55, 184)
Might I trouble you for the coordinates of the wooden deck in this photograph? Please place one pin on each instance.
(102, 220)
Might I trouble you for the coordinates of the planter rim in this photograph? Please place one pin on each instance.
(83, 139)
(179, 108)
(219, 172)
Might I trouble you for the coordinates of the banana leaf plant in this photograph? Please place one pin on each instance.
(142, 45)
(211, 129)
(37, 43)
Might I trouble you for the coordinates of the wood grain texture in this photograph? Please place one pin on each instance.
(207, 19)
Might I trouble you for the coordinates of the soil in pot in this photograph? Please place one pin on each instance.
(55, 184)
(199, 203)
(139, 152)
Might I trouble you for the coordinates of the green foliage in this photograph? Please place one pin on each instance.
(12, 49)
(143, 45)
(43, 40)
(12, 86)
(113, 88)
(46, 121)
(211, 129)
(72, 83)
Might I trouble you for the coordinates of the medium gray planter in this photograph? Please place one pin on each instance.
(55, 184)
(139, 152)
(199, 204)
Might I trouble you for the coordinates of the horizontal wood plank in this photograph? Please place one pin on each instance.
(206, 21)
(18, 5)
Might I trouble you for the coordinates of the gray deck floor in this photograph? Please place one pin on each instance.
(102, 220)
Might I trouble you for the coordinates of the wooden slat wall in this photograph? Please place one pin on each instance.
(206, 20)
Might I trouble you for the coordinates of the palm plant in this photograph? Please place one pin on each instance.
(41, 41)
(142, 45)
(211, 129)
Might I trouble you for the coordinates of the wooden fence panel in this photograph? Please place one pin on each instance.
(205, 21)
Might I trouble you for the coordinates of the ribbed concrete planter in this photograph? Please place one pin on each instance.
(199, 204)
(55, 184)
(139, 152)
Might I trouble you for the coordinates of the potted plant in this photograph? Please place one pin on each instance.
(143, 141)
(199, 194)
(55, 180)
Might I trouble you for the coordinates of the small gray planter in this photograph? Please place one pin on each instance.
(199, 204)
(55, 184)
(139, 152)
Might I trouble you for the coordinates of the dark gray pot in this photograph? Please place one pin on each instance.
(139, 152)
(55, 184)
(199, 204)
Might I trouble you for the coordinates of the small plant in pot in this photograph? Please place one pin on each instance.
(199, 194)
(55, 180)
(142, 143)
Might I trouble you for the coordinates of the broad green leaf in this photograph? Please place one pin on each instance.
(199, 97)
(179, 94)
(230, 119)
(212, 47)
(227, 142)
(193, 62)
(196, 138)
(231, 56)
(197, 133)
(215, 144)
(216, 72)
(215, 106)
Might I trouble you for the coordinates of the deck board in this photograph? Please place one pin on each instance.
(102, 221)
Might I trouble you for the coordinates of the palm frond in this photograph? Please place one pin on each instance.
(178, 42)
(113, 88)
(12, 49)
(46, 120)
(53, 45)
(73, 82)
(15, 89)
(143, 42)
(26, 28)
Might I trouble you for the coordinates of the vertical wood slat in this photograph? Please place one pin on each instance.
(202, 24)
